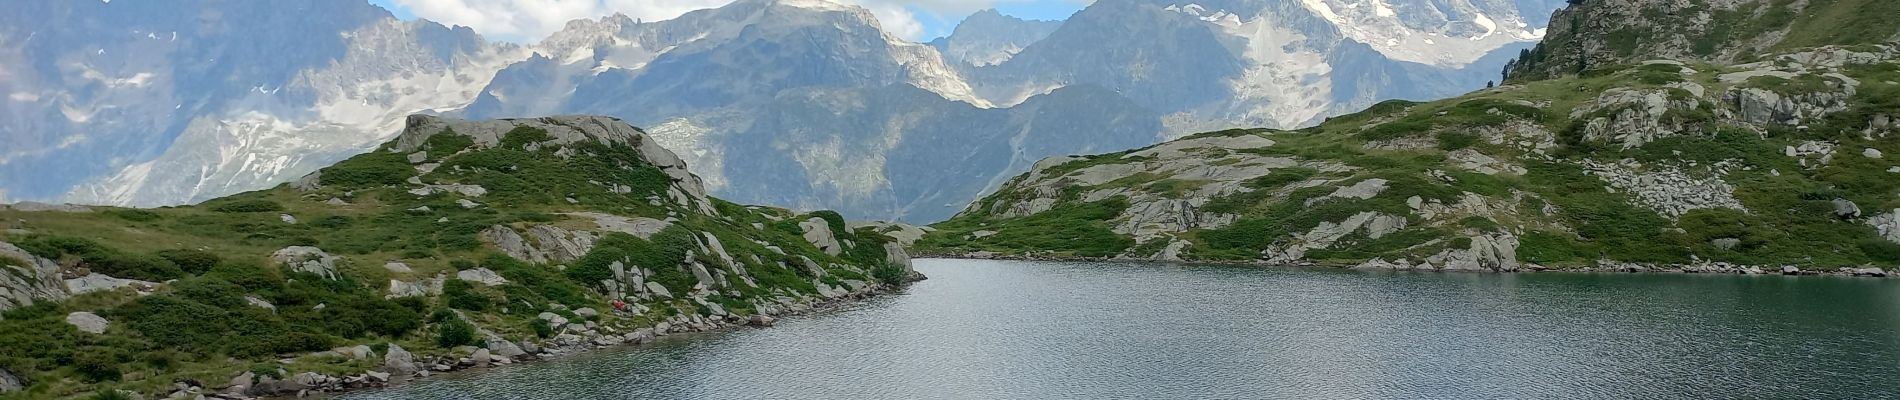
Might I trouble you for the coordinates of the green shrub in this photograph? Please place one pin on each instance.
(135, 215)
(250, 276)
(111, 395)
(1881, 250)
(460, 294)
(173, 321)
(377, 168)
(521, 136)
(890, 273)
(247, 206)
(211, 291)
(1450, 141)
(98, 364)
(541, 328)
(98, 258)
(332, 222)
(454, 332)
(540, 281)
(191, 261)
(1071, 228)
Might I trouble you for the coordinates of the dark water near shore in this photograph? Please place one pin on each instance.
(1038, 330)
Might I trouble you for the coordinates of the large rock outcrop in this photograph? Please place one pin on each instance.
(26, 279)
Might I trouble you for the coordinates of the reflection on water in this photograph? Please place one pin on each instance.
(1036, 330)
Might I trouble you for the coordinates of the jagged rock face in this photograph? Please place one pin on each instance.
(990, 38)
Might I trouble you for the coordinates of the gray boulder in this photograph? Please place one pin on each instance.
(100, 282)
(501, 347)
(554, 320)
(561, 245)
(398, 361)
(588, 313)
(88, 322)
(1845, 209)
(895, 255)
(512, 244)
(482, 276)
(481, 357)
(422, 288)
(659, 290)
(10, 383)
(818, 232)
(259, 303)
(307, 259)
(353, 352)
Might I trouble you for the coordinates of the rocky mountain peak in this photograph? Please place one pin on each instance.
(989, 37)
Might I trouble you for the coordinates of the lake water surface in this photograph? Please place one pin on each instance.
(1042, 330)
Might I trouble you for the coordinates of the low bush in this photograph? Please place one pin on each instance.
(247, 206)
(98, 258)
(190, 260)
(460, 294)
(377, 168)
(454, 332)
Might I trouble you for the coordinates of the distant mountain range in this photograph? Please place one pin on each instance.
(799, 103)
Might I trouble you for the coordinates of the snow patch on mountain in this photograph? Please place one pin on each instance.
(360, 100)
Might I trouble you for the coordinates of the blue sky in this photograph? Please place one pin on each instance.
(530, 20)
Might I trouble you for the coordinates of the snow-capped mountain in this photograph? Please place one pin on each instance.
(1438, 32)
(1252, 63)
(153, 103)
(807, 104)
(800, 103)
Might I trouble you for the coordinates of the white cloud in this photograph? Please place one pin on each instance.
(531, 20)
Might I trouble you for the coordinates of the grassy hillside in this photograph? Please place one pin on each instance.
(442, 205)
(1789, 161)
(1595, 34)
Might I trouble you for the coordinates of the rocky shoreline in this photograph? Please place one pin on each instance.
(399, 366)
(1606, 266)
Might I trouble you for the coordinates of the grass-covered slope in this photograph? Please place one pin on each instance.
(1593, 34)
(460, 233)
(1790, 161)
